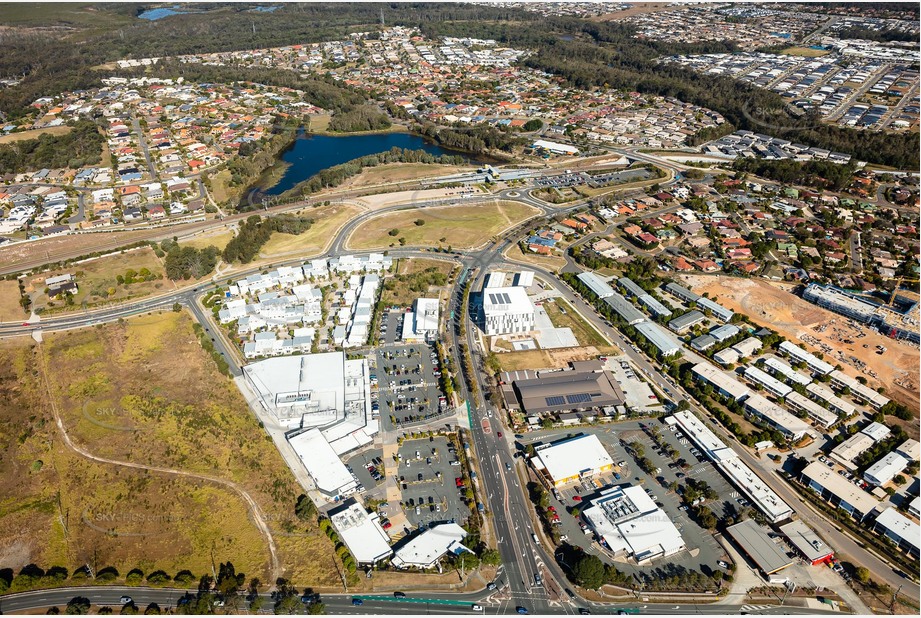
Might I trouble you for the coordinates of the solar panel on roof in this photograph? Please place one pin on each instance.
(556, 400)
(578, 398)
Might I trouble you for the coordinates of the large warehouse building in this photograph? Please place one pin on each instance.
(570, 460)
(632, 525)
(562, 391)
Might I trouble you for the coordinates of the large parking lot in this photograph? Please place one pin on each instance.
(427, 472)
(408, 385)
(704, 552)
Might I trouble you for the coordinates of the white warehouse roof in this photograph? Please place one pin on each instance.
(571, 458)
(424, 550)
(322, 463)
(362, 533)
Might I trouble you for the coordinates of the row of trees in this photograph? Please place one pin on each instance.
(256, 231)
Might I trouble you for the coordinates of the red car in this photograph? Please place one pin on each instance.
(386, 525)
(498, 434)
(551, 508)
(577, 498)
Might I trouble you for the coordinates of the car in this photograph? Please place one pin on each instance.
(577, 498)
(564, 537)
(521, 610)
(498, 434)
(476, 608)
(386, 525)
(722, 564)
(491, 586)
(583, 611)
(508, 466)
(399, 595)
(616, 476)
(356, 602)
(125, 600)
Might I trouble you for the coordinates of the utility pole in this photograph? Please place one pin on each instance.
(895, 595)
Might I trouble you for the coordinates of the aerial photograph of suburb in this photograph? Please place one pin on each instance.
(466, 307)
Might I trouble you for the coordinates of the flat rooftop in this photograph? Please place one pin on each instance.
(572, 457)
(754, 540)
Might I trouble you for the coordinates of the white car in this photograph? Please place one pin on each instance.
(476, 608)
(125, 600)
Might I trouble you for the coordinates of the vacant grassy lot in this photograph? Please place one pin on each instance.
(805, 51)
(399, 172)
(585, 334)
(32, 134)
(326, 222)
(219, 239)
(459, 226)
(141, 391)
(10, 309)
(97, 280)
(414, 279)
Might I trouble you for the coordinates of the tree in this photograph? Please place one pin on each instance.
(588, 572)
(78, 605)
(490, 557)
(419, 222)
(305, 509)
(862, 574)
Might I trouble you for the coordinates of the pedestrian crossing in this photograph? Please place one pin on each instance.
(733, 494)
(755, 608)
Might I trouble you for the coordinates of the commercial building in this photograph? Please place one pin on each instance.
(909, 449)
(702, 302)
(822, 417)
(686, 321)
(421, 323)
(646, 299)
(807, 543)
(494, 280)
(747, 347)
(770, 384)
(555, 148)
(632, 525)
(322, 463)
(759, 547)
(904, 532)
(834, 403)
(507, 311)
(715, 308)
(792, 427)
(886, 469)
(800, 355)
(659, 337)
(846, 452)
(572, 459)
(361, 532)
(562, 391)
(841, 380)
(624, 308)
(838, 491)
(785, 371)
(877, 431)
(724, 332)
(596, 284)
(728, 463)
(425, 550)
(311, 390)
(725, 385)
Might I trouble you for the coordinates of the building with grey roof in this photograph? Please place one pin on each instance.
(704, 342)
(560, 391)
(654, 306)
(630, 287)
(686, 321)
(759, 546)
(724, 332)
(624, 308)
(659, 337)
(596, 284)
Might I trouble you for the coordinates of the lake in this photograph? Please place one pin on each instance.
(310, 154)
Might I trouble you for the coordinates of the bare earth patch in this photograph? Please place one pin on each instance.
(793, 317)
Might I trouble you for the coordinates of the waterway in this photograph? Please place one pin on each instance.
(310, 154)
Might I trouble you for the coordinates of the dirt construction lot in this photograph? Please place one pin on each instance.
(771, 306)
